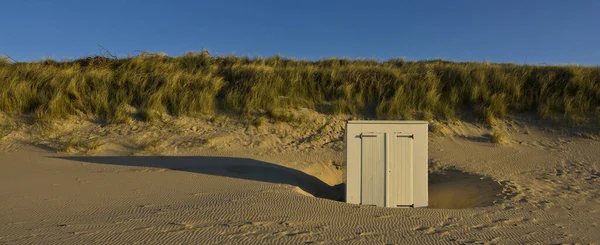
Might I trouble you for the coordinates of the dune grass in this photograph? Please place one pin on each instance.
(499, 137)
(200, 84)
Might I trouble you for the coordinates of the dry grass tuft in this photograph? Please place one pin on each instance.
(92, 145)
(259, 122)
(284, 115)
(439, 128)
(68, 145)
(590, 135)
(499, 137)
(6, 128)
(149, 145)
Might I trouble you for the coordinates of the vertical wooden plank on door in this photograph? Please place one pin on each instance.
(373, 169)
(400, 171)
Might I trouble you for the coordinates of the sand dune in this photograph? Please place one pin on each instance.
(541, 187)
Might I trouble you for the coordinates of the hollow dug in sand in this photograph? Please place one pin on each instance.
(453, 189)
(450, 189)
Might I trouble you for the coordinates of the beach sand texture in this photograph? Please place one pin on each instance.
(202, 183)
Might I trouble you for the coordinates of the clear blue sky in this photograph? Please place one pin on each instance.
(554, 32)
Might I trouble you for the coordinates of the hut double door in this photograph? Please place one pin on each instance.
(387, 169)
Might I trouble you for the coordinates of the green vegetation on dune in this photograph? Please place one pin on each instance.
(198, 83)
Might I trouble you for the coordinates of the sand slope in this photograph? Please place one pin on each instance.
(549, 193)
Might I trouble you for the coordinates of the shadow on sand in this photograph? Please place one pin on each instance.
(242, 168)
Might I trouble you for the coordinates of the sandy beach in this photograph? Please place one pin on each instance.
(257, 185)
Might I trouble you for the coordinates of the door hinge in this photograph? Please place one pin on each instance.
(412, 136)
(367, 135)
